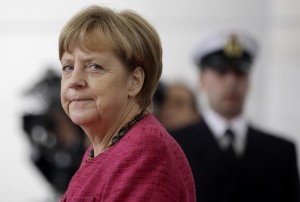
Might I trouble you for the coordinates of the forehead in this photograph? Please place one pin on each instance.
(87, 54)
(178, 92)
(92, 41)
(89, 49)
(226, 70)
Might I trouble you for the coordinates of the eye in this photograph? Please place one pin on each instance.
(67, 68)
(94, 66)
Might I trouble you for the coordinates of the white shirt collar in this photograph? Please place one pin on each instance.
(218, 125)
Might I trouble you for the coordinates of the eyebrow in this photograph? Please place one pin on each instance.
(66, 57)
(98, 57)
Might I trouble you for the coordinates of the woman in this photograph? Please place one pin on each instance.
(111, 64)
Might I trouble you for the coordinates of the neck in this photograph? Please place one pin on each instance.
(102, 135)
(225, 115)
(121, 133)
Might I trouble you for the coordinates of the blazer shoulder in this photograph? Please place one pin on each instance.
(271, 140)
(190, 129)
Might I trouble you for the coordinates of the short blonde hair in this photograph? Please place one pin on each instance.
(134, 39)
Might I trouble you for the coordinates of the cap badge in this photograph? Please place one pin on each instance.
(233, 47)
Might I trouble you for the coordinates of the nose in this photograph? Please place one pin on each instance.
(77, 79)
(230, 81)
(231, 77)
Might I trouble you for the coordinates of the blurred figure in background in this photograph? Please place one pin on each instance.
(57, 143)
(232, 161)
(158, 99)
(179, 107)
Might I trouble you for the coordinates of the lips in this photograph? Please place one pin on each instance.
(231, 97)
(79, 100)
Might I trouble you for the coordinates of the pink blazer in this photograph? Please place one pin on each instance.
(146, 165)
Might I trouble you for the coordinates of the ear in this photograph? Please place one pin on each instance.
(136, 81)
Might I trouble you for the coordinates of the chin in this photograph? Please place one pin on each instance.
(81, 119)
(78, 122)
(233, 112)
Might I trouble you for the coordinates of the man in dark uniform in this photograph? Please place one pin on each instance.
(231, 160)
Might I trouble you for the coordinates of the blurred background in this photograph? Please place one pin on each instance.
(29, 38)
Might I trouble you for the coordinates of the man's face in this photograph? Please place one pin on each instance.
(226, 90)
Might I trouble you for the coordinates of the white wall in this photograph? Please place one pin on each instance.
(28, 38)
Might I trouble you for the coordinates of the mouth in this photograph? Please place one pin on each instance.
(232, 97)
(79, 100)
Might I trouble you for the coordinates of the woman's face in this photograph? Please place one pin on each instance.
(94, 86)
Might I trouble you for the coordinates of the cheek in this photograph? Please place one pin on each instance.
(63, 98)
(244, 85)
(243, 91)
(215, 88)
(62, 93)
(109, 92)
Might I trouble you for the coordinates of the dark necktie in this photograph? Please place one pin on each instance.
(231, 167)
(230, 150)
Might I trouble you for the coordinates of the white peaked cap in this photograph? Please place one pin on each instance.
(217, 40)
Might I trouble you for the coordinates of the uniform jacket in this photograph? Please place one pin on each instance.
(267, 171)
